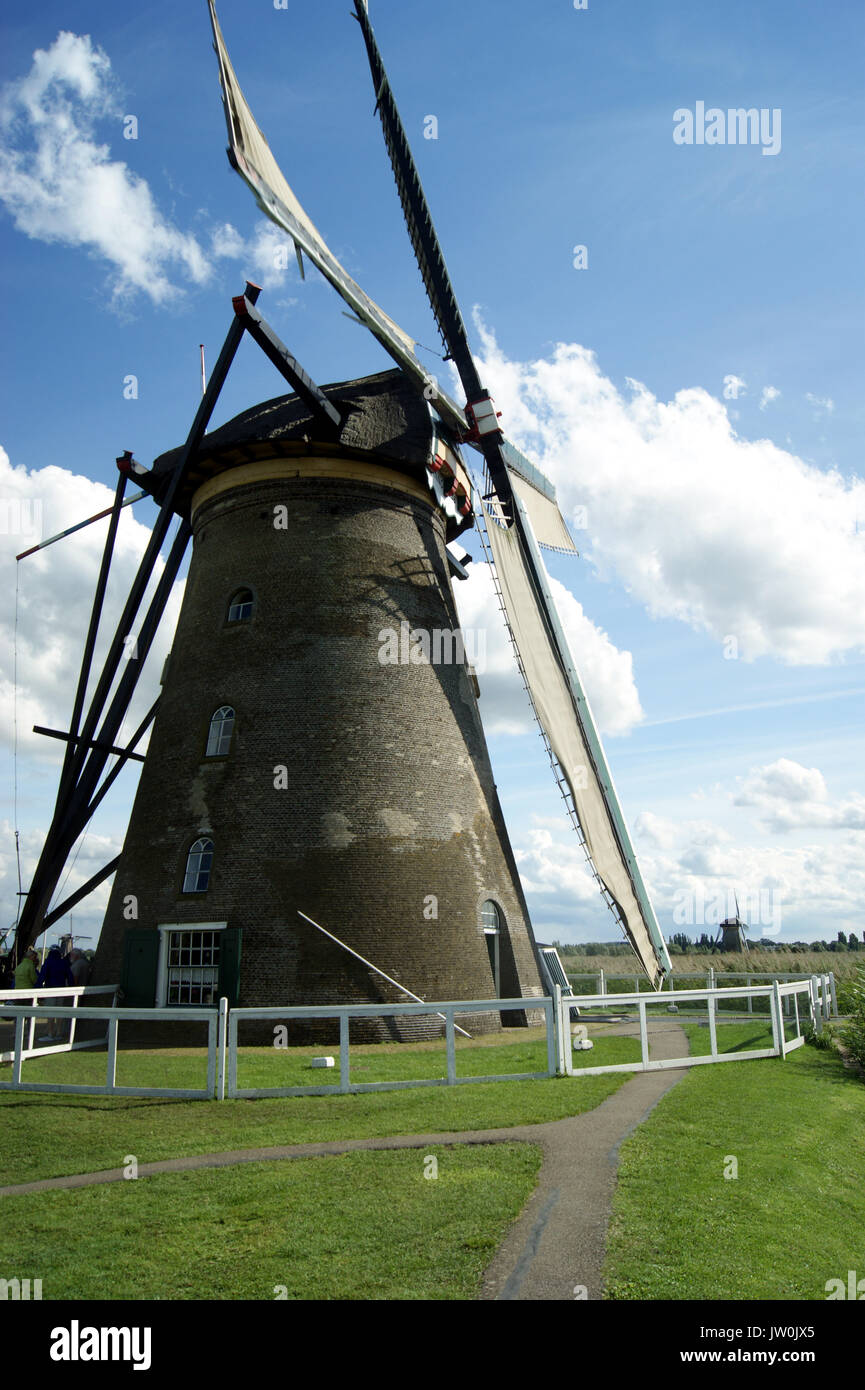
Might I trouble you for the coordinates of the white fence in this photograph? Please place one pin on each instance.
(46, 996)
(810, 1003)
(214, 1018)
(345, 1013)
(813, 993)
(715, 979)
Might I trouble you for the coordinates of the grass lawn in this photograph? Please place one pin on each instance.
(47, 1135)
(314, 1228)
(794, 1217)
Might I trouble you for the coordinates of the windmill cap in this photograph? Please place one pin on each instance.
(384, 416)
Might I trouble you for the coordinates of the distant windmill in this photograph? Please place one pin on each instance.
(731, 933)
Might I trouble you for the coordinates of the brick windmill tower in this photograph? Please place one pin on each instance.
(317, 747)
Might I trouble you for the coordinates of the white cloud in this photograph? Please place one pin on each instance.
(769, 394)
(791, 797)
(607, 673)
(60, 185)
(823, 405)
(55, 593)
(56, 588)
(267, 256)
(727, 535)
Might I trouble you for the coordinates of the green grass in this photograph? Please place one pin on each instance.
(313, 1227)
(732, 1037)
(793, 1218)
(47, 1135)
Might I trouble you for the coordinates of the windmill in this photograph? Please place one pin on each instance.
(732, 933)
(206, 484)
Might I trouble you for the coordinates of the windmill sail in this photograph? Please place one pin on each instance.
(253, 159)
(566, 718)
(528, 499)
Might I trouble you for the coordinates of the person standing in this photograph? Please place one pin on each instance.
(79, 965)
(25, 971)
(55, 972)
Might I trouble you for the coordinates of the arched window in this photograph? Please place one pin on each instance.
(220, 732)
(491, 923)
(240, 606)
(199, 862)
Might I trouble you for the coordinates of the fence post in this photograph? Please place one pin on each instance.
(834, 996)
(32, 1021)
(749, 981)
(602, 989)
(557, 1020)
(18, 1055)
(552, 1034)
(451, 1046)
(778, 1019)
(221, 1047)
(713, 1031)
(344, 1063)
(816, 1005)
(644, 1033)
(111, 1067)
(711, 977)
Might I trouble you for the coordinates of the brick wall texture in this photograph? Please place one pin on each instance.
(389, 798)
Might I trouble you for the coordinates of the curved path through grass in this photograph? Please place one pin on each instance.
(557, 1243)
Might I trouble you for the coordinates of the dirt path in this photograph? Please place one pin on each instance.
(556, 1247)
(557, 1244)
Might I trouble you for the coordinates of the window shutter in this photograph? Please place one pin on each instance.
(138, 971)
(229, 965)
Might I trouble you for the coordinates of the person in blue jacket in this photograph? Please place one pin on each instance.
(54, 972)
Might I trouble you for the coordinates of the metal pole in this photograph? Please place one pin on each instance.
(389, 978)
(79, 525)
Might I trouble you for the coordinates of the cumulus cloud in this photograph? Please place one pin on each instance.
(60, 185)
(267, 255)
(768, 394)
(823, 405)
(55, 592)
(728, 535)
(607, 672)
(790, 797)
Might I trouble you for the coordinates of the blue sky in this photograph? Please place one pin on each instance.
(711, 269)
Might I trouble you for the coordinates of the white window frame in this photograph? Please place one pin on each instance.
(218, 753)
(162, 965)
(494, 932)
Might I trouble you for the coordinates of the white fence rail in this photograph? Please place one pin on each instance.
(214, 1018)
(810, 1002)
(46, 996)
(345, 1013)
(715, 979)
(814, 994)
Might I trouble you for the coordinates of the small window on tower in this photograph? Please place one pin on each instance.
(198, 865)
(220, 732)
(240, 607)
